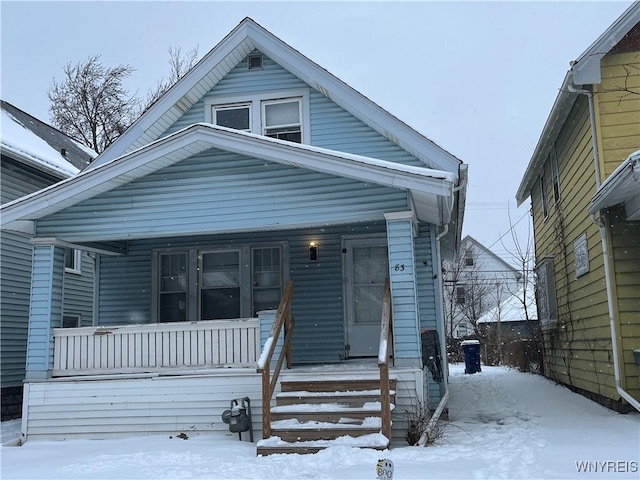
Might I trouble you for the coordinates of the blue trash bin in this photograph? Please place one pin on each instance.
(471, 351)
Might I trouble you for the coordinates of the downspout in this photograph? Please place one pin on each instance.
(443, 354)
(605, 250)
(443, 345)
(612, 320)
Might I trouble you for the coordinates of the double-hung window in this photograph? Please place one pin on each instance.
(236, 116)
(282, 119)
(173, 285)
(218, 283)
(284, 116)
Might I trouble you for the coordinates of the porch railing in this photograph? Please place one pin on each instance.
(283, 319)
(152, 347)
(385, 352)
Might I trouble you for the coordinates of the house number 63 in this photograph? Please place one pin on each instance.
(398, 267)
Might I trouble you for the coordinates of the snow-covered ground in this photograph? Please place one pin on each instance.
(504, 424)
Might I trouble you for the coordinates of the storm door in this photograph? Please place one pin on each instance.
(366, 271)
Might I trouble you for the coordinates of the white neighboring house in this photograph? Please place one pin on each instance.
(477, 282)
(512, 309)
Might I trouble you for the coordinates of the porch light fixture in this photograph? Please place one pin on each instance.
(313, 252)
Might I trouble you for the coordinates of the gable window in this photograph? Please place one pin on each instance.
(284, 116)
(281, 119)
(468, 261)
(233, 116)
(543, 197)
(73, 260)
(217, 283)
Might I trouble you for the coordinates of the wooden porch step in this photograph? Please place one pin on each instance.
(334, 385)
(305, 434)
(275, 445)
(333, 414)
(348, 398)
(311, 415)
(302, 450)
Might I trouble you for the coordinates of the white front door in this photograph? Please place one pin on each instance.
(366, 271)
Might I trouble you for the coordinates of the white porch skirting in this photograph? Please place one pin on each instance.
(151, 404)
(153, 347)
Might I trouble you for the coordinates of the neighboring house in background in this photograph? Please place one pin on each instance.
(34, 156)
(477, 281)
(256, 169)
(585, 218)
(506, 328)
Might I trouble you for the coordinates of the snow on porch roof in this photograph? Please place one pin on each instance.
(431, 190)
(246, 37)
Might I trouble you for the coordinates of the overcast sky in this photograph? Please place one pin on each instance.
(477, 78)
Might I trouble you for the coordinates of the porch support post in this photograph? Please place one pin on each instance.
(45, 309)
(401, 231)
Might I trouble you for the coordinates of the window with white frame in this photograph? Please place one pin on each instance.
(543, 197)
(217, 283)
(284, 116)
(236, 116)
(282, 119)
(73, 260)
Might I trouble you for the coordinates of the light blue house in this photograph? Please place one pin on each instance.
(258, 168)
(34, 155)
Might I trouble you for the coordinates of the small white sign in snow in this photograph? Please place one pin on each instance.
(384, 469)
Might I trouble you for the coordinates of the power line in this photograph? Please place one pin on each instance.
(510, 229)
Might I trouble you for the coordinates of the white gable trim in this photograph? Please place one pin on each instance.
(427, 187)
(246, 37)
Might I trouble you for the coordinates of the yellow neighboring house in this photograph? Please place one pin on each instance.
(584, 183)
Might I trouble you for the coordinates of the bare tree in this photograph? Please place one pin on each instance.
(91, 103)
(466, 292)
(524, 256)
(179, 64)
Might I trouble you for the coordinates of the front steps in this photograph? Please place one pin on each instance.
(314, 414)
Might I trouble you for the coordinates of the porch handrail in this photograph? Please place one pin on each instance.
(283, 318)
(385, 352)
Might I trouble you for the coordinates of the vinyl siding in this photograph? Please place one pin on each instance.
(331, 126)
(17, 180)
(15, 282)
(99, 409)
(242, 191)
(618, 111)
(625, 247)
(45, 310)
(115, 408)
(402, 267)
(578, 349)
(125, 290)
(78, 291)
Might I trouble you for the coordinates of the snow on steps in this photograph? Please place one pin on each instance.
(313, 415)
